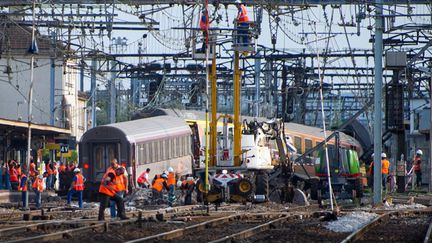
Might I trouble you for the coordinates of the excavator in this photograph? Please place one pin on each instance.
(265, 170)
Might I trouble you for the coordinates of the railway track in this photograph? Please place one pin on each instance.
(53, 230)
(406, 226)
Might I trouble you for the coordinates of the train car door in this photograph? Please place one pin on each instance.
(102, 155)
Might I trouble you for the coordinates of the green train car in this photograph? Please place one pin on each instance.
(345, 175)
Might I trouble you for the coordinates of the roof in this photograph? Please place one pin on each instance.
(152, 128)
(37, 128)
(18, 38)
(317, 132)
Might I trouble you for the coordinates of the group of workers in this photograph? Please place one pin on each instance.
(36, 181)
(114, 187)
(168, 181)
(385, 168)
(242, 21)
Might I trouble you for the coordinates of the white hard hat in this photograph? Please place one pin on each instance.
(224, 172)
(383, 155)
(419, 152)
(373, 154)
(164, 175)
(238, 2)
(170, 169)
(77, 170)
(189, 178)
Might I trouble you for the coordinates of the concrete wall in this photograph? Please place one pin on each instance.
(14, 87)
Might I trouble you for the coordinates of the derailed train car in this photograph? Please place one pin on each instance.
(156, 143)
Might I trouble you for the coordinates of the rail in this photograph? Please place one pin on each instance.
(358, 234)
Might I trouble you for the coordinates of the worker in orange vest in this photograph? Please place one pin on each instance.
(38, 188)
(242, 24)
(13, 173)
(143, 179)
(418, 168)
(121, 183)
(62, 168)
(77, 187)
(171, 182)
(32, 170)
(385, 165)
(188, 187)
(158, 185)
(108, 191)
(204, 25)
(22, 187)
(50, 178)
(122, 187)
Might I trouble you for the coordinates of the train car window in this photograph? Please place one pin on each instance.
(149, 153)
(164, 150)
(99, 154)
(178, 143)
(157, 150)
(161, 149)
(184, 148)
(152, 152)
(112, 152)
(188, 145)
(143, 153)
(168, 144)
(146, 154)
(308, 145)
(298, 144)
(317, 150)
(175, 147)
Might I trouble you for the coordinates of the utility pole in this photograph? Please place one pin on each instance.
(113, 93)
(93, 90)
(257, 84)
(33, 50)
(237, 124)
(430, 132)
(52, 80)
(377, 198)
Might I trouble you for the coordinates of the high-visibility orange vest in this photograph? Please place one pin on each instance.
(142, 178)
(187, 182)
(19, 171)
(38, 184)
(24, 188)
(171, 179)
(107, 188)
(79, 183)
(158, 184)
(203, 22)
(242, 16)
(121, 182)
(55, 169)
(13, 175)
(62, 168)
(417, 164)
(48, 169)
(385, 166)
(32, 170)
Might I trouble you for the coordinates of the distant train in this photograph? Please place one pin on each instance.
(156, 143)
